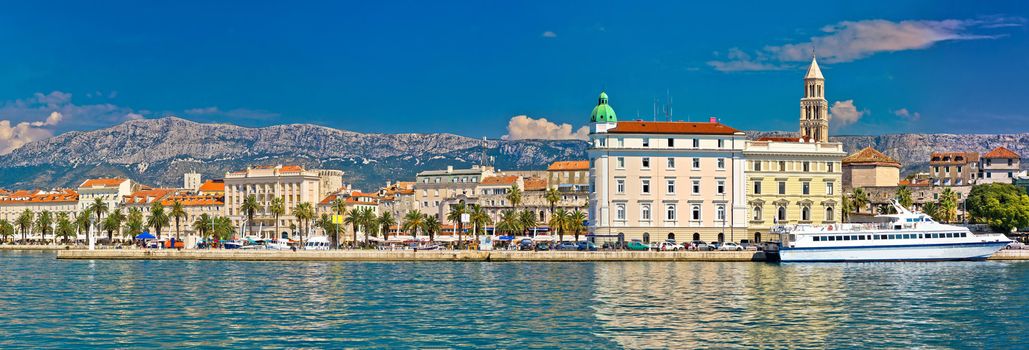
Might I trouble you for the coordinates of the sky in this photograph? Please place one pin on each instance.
(510, 69)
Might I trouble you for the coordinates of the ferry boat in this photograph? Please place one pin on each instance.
(905, 236)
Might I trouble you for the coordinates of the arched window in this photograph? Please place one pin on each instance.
(757, 237)
(671, 236)
(757, 213)
(781, 214)
(721, 237)
(805, 214)
(696, 236)
(541, 216)
(646, 237)
(829, 214)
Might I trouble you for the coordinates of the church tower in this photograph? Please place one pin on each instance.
(814, 109)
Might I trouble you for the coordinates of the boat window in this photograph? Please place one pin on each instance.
(832, 238)
(892, 237)
(962, 234)
(861, 237)
(816, 238)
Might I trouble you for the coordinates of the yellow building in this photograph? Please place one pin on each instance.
(790, 182)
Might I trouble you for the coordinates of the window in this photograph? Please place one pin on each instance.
(757, 187)
(829, 188)
(620, 185)
(696, 143)
(721, 143)
(621, 142)
(696, 186)
(805, 214)
(620, 212)
(781, 214)
(1011, 162)
(782, 165)
(959, 168)
(831, 166)
(646, 142)
(670, 212)
(646, 186)
(621, 163)
(646, 162)
(671, 186)
(603, 142)
(671, 142)
(646, 237)
(695, 212)
(989, 175)
(757, 213)
(721, 186)
(805, 187)
(782, 187)
(807, 166)
(645, 212)
(696, 163)
(721, 163)
(671, 163)
(829, 214)
(720, 212)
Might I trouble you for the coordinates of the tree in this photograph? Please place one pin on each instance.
(413, 222)
(115, 218)
(860, 198)
(1004, 207)
(432, 226)
(514, 195)
(158, 218)
(353, 218)
(933, 210)
(454, 216)
(24, 223)
(904, 197)
(509, 222)
(558, 222)
(134, 222)
(277, 208)
(367, 218)
(110, 225)
(65, 227)
(82, 223)
(98, 208)
(385, 221)
(948, 203)
(6, 231)
(576, 223)
(43, 223)
(324, 222)
(339, 206)
(250, 207)
(480, 219)
(202, 224)
(552, 196)
(223, 228)
(304, 213)
(846, 207)
(177, 213)
(527, 219)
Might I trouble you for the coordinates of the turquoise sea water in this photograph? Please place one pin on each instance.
(46, 303)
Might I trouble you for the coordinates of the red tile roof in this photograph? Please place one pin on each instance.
(569, 165)
(147, 196)
(65, 196)
(641, 127)
(212, 186)
(500, 180)
(871, 157)
(112, 182)
(193, 200)
(951, 158)
(535, 184)
(1001, 152)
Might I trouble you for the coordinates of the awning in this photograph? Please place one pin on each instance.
(505, 238)
(145, 235)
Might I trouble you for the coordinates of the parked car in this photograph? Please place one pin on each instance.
(638, 245)
(566, 246)
(730, 246)
(714, 245)
(1017, 245)
(525, 244)
(699, 245)
(586, 246)
(670, 246)
(543, 246)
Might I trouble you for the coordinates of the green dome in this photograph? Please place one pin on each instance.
(603, 113)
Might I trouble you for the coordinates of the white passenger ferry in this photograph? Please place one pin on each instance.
(905, 236)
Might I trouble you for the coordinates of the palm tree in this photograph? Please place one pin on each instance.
(202, 225)
(353, 218)
(65, 227)
(82, 223)
(432, 226)
(480, 219)
(575, 222)
(277, 208)
(324, 222)
(860, 198)
(454, 216)
(116, 218)
(558, 222)
(510, 222)
(514, 195)
(904, 197)
(25, 224)
(6, 230)
(98, 208)
(110, 225)
(552, 196)
(528, 220)
(223, 228)
(949, 205)
(385, 221)
(43, 222)
(158, 218)
(177, 213)
(339, 206)
(413, 221)
(367, 221)
(134, 222)
(846, 207)
(250, 207)
(304, 212)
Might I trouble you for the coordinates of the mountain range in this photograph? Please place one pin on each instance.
(158, 151)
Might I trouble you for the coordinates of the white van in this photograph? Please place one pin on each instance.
(317, 243)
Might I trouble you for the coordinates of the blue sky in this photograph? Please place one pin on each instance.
(469, 67)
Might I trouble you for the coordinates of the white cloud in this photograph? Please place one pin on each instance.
(906, 114)
(549, 34)
(45, 114)
(852, 40)
(522, 127)
(14, 136)
(844, 113)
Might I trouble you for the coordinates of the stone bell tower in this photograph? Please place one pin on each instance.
(814, 109)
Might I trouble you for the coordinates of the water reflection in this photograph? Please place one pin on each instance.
(112, 304)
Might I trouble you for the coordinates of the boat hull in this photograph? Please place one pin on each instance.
(922, 252)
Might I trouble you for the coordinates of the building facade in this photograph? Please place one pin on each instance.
(292, 183)
(869, 168)
(436, 190)
(665, 180)
(569, 176)
(814, 108)
(953, 168)
(999, 166)
(111, 190)
(56, 202)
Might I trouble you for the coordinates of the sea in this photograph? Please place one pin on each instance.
(82, 304)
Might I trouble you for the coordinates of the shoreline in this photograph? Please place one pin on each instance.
(408, 255)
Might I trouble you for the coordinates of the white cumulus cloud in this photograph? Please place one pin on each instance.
(13, 136)
(523, 127)
(844, 113)
(549, 34)
(906, 114)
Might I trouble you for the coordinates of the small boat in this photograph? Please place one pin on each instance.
(317, 243)
(905, 236)
(232, 244)
(277, 244)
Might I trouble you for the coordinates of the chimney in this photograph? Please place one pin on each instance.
(713, 120)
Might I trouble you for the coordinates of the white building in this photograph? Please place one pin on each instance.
(111, 190)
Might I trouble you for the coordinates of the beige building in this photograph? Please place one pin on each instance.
(869, 168)
(569, 176)
(953, 168)
(292, 183)
(999, 165)
(665, 180)
(351, 200)
(436, 190)
(111, 190)
(397, 199)
(55, 202)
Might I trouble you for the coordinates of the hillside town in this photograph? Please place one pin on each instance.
(643, 181)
